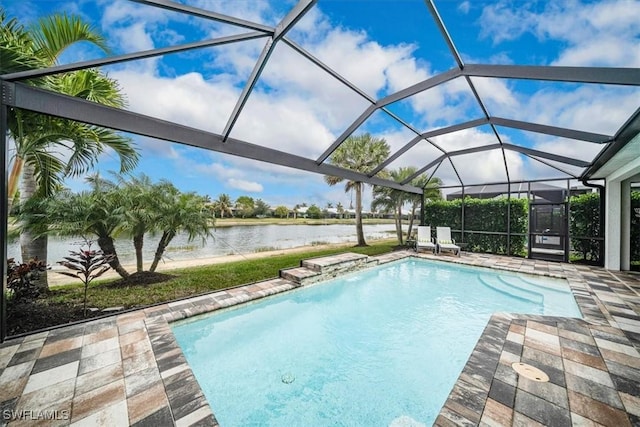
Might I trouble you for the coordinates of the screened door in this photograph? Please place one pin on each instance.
(548, 231)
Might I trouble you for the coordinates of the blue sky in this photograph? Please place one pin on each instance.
(381, 47)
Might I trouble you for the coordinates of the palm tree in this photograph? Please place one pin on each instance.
(141, 213)
(36, 136)
(180, 212)
(360, 154)
(431, 189)
(340, 209)
(224, 205)
(394, 200)
(386, 199)
(98, 212)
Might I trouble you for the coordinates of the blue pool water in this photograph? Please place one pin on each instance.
(382, 346)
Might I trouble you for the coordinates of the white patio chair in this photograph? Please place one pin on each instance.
(424, 240)
(444, 240)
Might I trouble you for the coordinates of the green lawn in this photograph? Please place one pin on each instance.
(194, 281)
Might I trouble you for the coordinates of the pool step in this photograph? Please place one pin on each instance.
(335, 262)
(299, 275)
(499, 285)
(317, 269)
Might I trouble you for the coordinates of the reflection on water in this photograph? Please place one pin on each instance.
(226, 241)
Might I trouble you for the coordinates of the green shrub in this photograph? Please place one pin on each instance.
(482, 215)
(584, 224)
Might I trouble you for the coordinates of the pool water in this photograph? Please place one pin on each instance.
(382, 346)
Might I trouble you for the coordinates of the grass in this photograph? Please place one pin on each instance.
(197, 280)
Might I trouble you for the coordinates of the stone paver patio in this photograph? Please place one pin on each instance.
(128, 369)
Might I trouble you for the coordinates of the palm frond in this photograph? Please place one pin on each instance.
(53, 34)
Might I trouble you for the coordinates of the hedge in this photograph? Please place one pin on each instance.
(584, 214)
(584, 222)
(482, 215)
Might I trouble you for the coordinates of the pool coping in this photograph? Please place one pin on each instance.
(131, 364)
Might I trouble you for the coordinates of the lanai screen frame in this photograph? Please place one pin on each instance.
(19, 95)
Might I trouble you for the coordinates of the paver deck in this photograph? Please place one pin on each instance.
(128, 369)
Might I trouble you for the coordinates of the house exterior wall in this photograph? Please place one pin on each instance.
(618, 215)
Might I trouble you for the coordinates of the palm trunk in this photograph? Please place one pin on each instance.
(31, 245)
(14, 179)
(359, 231)
(138, 241)
(109, 249)
(413, 214)
(398, 218)
(162, 245)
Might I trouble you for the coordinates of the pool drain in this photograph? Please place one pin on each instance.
(530, 372)
(288, 378)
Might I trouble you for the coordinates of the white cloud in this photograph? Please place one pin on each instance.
(248, 186)
(298, 108)
(604, 33)
(464, 7)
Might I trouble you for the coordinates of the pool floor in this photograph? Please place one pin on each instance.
(380, 346)
(129, 370)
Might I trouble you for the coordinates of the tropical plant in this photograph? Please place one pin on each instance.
(223, 204)
(180, 212)
(36, 137)
(314, 212)
(261, 208)
(281, 211)
(140, 213)
(431, 193)
(360, 154)
(245, 206)
(340, 209)
(393, 200)
(98, 212)
(87, 264)
(21, 278)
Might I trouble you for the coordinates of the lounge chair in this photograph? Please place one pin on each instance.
(424, 239)
(444, 240)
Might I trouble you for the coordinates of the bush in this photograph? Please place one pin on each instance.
(482, 215)
(21, 278)
(584, 224)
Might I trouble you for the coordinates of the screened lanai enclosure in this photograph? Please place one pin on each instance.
(475, 94)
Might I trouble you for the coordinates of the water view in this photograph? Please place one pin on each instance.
(227, 241)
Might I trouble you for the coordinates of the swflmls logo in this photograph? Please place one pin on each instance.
(9, 415)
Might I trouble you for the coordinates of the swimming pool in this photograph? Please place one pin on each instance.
(382, 346)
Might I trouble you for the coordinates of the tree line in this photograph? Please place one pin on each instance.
(248, 207)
